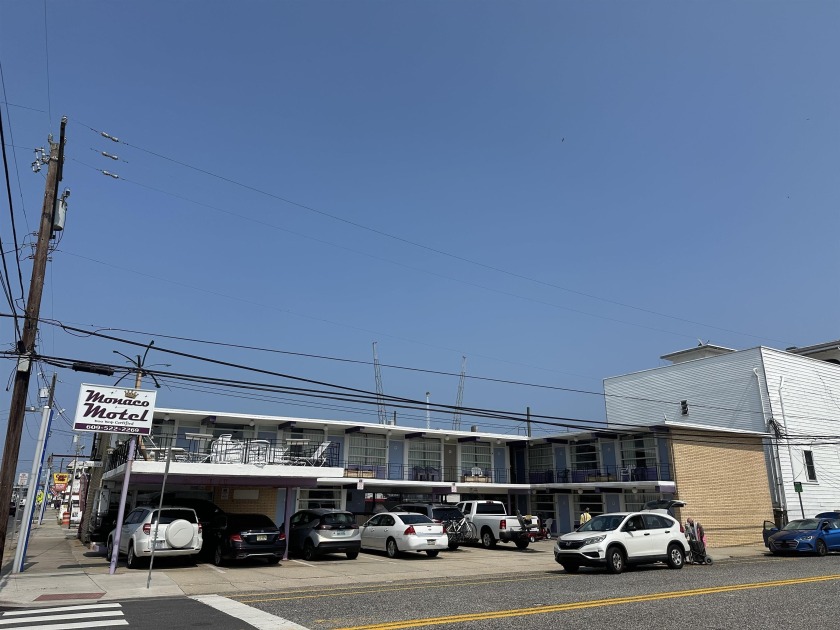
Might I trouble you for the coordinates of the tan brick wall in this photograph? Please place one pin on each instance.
(265, 503)
(723, 481)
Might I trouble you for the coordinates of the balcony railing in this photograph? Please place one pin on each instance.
(204, 448)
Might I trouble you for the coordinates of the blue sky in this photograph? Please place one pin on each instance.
(559, 191)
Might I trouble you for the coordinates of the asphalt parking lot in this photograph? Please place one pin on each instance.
(255, 575)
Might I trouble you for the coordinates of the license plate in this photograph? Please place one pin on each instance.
(342, 533)
(431, 541)
(160, 544)
(261, 537)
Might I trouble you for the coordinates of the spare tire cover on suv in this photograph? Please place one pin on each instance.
(179, 533)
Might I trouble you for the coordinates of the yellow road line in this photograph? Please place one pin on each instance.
(379, 588)
(542, 610)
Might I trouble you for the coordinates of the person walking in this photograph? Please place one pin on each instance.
(585, 517)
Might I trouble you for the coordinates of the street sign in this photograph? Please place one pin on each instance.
(115, 410)
(23, 479)
(797, 486)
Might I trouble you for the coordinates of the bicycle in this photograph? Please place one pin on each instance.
(460, 531)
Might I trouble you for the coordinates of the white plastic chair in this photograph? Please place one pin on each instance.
(318, 458)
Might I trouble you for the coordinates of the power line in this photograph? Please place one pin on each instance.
(415, 243)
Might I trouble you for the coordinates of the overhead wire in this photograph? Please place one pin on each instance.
(416, 243)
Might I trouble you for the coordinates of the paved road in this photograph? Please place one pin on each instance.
(760, 593)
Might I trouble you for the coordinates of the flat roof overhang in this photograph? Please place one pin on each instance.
(227, 474)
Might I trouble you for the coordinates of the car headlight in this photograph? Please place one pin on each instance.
(593, 540)
(805, 538)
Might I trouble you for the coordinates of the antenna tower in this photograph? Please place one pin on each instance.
(456, 416)
(380, 402)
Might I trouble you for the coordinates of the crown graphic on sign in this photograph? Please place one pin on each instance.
(130, 393)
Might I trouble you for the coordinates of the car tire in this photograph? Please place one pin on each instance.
(131, 559)
(676, 557)
(273, 561)
(821, 547)
(218, 556)
(109, 548)
(391, 548)
(352, 555)
(571, 568)
(487, 540)
(615, 560)
(432, 553)
(308, 550)
(453, 546)
(522, 544)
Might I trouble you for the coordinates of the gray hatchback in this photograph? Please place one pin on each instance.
(315, 532)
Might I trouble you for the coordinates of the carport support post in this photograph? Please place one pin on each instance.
(286, 518)
(121, 511)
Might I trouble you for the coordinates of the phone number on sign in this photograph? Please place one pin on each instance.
(109, 428)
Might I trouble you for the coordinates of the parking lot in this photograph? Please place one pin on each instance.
(256, 575)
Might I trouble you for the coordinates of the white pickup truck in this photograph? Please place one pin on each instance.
(495, 525)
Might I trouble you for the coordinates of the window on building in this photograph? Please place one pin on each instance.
(635, 501)
(541, 457)
(367, 450)
(595, 503)
(810, 469)
(309, 499)
(585, 457)
(544, 506)
(476, 455)
(425, 453)
(639, 451)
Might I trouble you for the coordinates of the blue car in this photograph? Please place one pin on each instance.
(807, 535)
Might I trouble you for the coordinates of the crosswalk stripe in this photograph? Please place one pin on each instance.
(35, 611)
(84, 615)
(76, 626)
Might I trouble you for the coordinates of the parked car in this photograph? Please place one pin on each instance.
(828, 515)
(240, 536)
(444, 514)
(619, 539)
(807, 535)
(178, 534)
(205, 509)
(394, 532)
(314, 532)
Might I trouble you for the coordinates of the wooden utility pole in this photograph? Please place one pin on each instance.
(26, 345)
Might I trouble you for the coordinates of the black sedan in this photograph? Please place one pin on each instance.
(240, 536)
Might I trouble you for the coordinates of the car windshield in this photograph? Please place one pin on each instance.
(604, 523)
(414, 519)
(808, 523)
(339, 518)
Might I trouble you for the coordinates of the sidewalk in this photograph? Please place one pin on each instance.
(60, 569)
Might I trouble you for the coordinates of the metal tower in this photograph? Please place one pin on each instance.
(380, 401)
(456, 416)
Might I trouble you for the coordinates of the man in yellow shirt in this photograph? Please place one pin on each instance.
(585, 517)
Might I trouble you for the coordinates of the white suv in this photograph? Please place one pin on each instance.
(622, 538)
(178, 534)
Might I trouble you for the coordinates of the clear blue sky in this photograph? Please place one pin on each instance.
(560, 191)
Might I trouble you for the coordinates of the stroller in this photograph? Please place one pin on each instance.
(696, 543)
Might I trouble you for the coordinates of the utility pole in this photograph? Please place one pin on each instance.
(26, 345)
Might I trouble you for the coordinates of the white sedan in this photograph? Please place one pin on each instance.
(394, 532)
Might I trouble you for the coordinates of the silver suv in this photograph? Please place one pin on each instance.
(178, 534)
(318, 531)
(619, 539)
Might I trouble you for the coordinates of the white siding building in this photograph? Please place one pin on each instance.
(790, 397)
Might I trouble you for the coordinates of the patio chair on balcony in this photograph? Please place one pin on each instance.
(279, 455)
(318, 458)
(626, 473)
(256, 452)
(226, 450)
